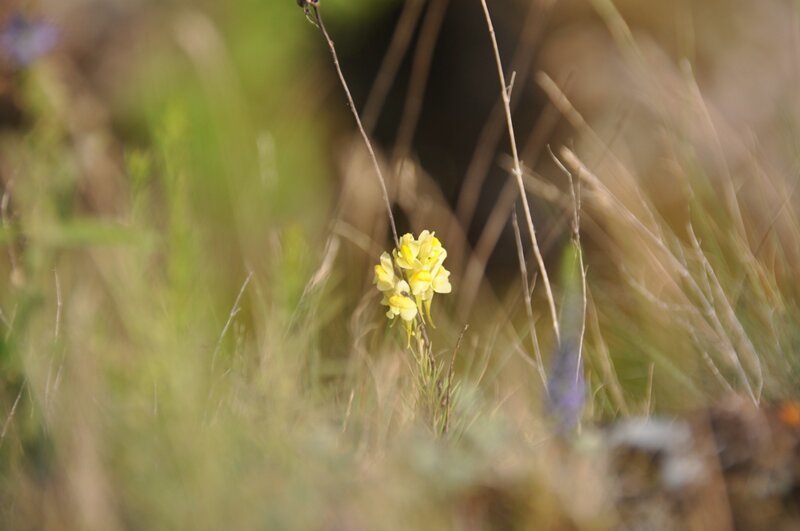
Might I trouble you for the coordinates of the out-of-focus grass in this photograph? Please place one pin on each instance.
(190, 340)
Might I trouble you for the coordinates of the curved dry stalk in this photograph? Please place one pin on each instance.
(491, 134)
(314, 8)
(528, 305)
(504, 90)
(575, 192)
(707, 296)
(352, 105)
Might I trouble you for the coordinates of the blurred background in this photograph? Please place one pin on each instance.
(190, 335)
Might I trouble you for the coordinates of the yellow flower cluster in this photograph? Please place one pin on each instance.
(410, 276)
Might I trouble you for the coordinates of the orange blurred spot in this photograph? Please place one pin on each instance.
(789, 414)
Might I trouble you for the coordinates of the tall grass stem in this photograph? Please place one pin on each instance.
(370, 149)
(505, 93)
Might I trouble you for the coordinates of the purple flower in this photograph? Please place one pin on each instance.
(566, 387)
(24, 40)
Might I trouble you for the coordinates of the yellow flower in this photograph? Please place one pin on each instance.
(420, 282)
(385, 277)
(406, 254)
(441, 280)
(431, 251)
(400, 303)
(440, 283)
(411, 276)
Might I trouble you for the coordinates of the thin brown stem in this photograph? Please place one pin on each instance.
(352, 105)
(448, 402)
(490, 136)
(518, 171)
(527, 297)
(575, 192)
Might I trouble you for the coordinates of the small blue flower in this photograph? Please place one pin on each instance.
(566, 384)
(566, 387)
(24, 40)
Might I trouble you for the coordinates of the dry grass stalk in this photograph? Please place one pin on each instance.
(354, 110)
(506, 97)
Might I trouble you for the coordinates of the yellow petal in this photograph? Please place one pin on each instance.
(403, 306)
(441, 281)
(385, 277)
(420, 281)
(407, 252)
